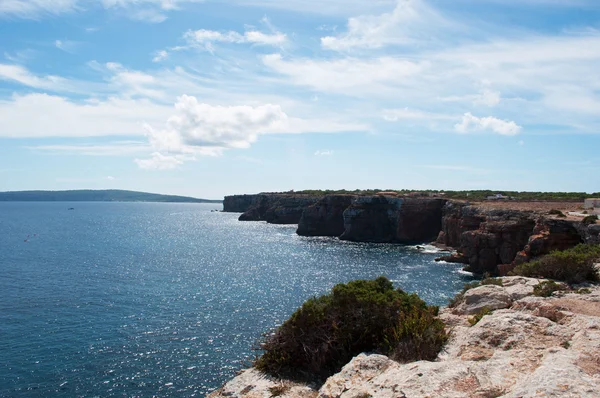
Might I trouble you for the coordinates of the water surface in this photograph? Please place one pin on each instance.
(141, 299)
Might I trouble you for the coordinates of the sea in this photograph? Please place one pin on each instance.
(165, 300)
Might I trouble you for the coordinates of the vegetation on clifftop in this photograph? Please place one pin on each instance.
(360, 316)
(573, 265)
(475, 195)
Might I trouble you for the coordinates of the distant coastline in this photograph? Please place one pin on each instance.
(88, 195)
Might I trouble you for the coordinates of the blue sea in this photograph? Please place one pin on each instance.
(168, 300)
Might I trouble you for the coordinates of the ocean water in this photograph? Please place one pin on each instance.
(142, 299)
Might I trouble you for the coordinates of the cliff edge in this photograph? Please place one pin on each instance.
(528, 346)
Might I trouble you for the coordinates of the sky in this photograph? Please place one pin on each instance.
(208, 98)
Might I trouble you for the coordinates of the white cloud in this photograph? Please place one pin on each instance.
(206, 38)
(256, 37)
(324, 153)
(43, 115)
(488, 98)
(472, 124)
(21, 75)
(199, 129)
(345, 74)
(162, 4)
(32, 9)
(160, 56)
(198, 125)
(327, 7)
(410, 20)
(68, 46)
(133, 83)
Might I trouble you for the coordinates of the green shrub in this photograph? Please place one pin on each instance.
(589, 220)
(557, 213)
(360, 316)
(546, 288)
(584, 290)
(477, 317)
(574, 265)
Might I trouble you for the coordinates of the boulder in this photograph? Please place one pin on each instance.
(488, 296)
(251, 383)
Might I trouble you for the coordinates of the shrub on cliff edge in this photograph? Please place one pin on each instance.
(573, 265)
(360, 316)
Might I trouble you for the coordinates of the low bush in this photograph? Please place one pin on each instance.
(546, 288)
(575, 265)
(588, 220)
(477, 317)
(360, 316)
(557, 213)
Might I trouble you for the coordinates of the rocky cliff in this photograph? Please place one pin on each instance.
(495, 241)
(392, 220)
(487, 240)
(238, 203)
(326, 217)
(528, 347)
(278, 208)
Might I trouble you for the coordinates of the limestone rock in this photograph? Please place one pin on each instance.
(278, 208)
(384, 219)
(238, 203)
(488, 296)
(253, 384)
(539, 347)
(326, 217)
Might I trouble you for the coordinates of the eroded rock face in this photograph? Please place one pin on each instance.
(238, 203)
(326, 217)
(497, 241)
(537, 347)
(385, 219)
(278, 208)
(549, 235)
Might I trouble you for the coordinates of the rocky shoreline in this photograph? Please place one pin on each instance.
(528, 346)
(486, 240)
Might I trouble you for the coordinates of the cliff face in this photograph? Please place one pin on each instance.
(238, 203)
(278, 208)
(392, 220)
(326, 217)
(487, 240)
(495, 241)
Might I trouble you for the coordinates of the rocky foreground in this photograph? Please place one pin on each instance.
(528, 347)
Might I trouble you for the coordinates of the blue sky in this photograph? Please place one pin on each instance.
(208, 98)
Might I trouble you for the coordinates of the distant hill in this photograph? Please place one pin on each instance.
(111, 195)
